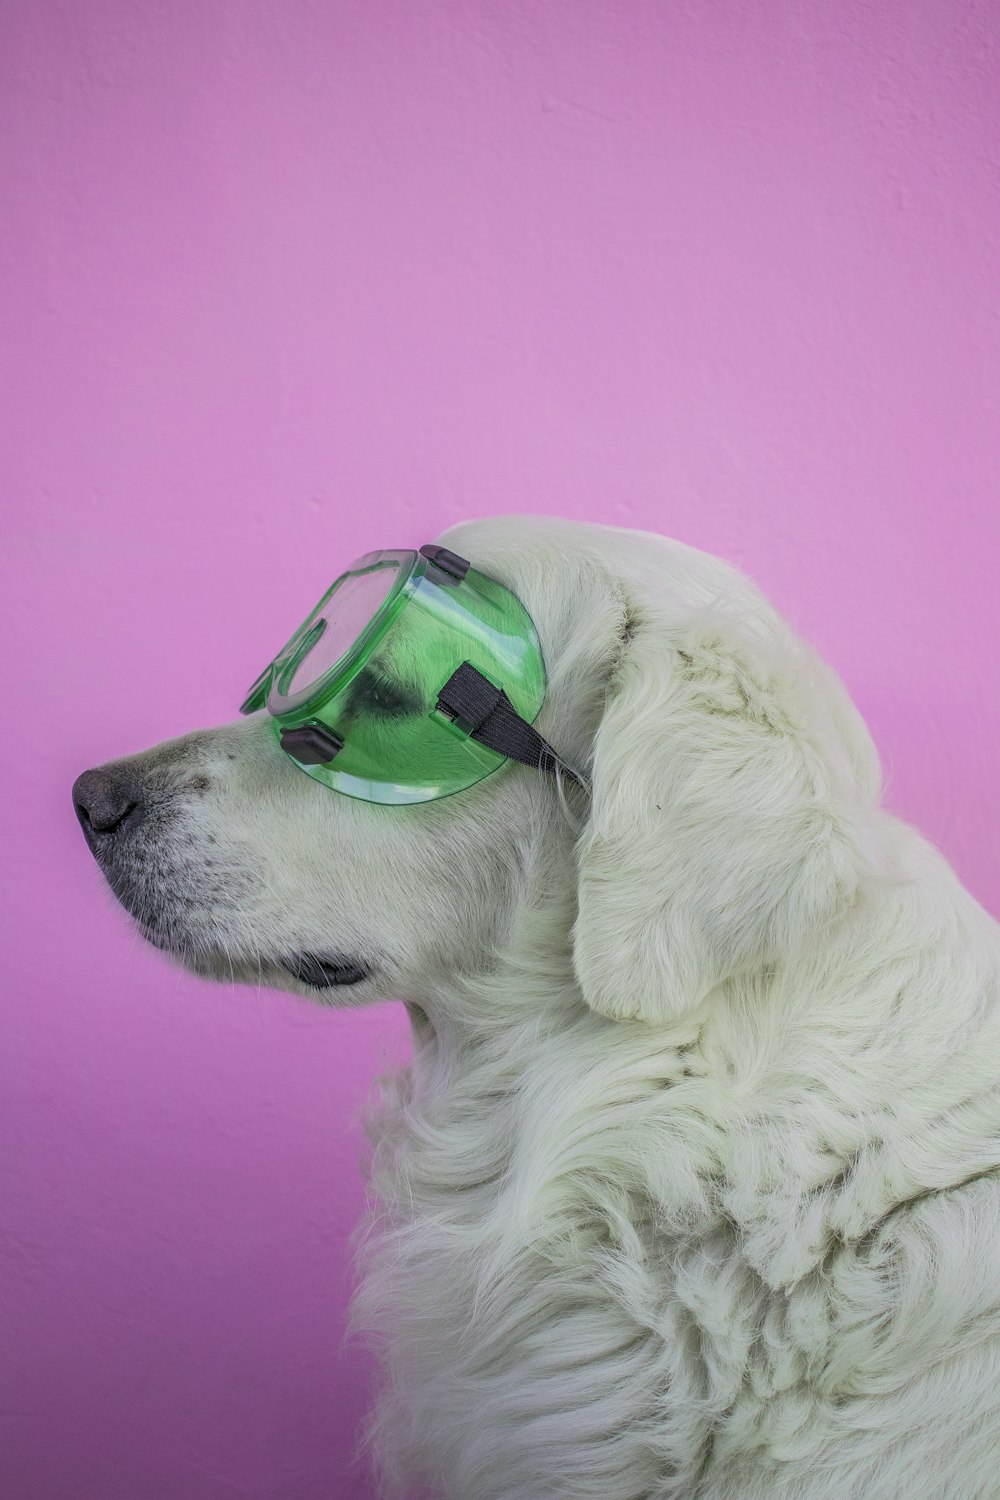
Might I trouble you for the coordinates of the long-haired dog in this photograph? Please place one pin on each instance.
(692, 1188)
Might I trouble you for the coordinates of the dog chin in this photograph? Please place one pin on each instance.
(314, 971)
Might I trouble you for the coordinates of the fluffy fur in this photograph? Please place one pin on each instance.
(691, 1189)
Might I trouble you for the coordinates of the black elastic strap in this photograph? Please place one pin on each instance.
(487, 715)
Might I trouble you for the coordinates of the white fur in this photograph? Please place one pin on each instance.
(691, 1189)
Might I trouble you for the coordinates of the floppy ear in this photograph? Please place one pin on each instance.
(720, 834)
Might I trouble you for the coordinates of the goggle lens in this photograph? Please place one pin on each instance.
(357, 695)
(335, 625)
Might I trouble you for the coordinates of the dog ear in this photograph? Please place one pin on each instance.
(720, 832)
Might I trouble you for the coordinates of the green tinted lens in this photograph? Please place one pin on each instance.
(331, 639)
(352, 602)
(377, 692)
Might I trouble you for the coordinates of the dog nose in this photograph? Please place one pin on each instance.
(104, 800)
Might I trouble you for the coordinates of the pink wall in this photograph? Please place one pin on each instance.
(290, 280)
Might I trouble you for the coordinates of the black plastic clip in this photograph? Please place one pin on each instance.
(450, 564)
(311, 744)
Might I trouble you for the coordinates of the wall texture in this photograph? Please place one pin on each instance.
(284, 281)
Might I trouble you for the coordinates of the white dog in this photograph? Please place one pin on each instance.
(693, 1186)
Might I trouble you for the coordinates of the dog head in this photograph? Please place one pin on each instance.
(728, 767)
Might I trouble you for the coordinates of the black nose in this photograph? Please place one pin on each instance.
(105, 800)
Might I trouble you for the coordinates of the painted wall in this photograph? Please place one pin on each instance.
(284, 281)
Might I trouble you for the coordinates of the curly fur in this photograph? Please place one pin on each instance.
(692, 1187)
(694, 1193)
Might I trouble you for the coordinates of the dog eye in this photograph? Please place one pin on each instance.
(371, 693)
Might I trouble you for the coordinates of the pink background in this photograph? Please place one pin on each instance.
(285, 281)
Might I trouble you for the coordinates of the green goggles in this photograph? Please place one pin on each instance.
(414, 677)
